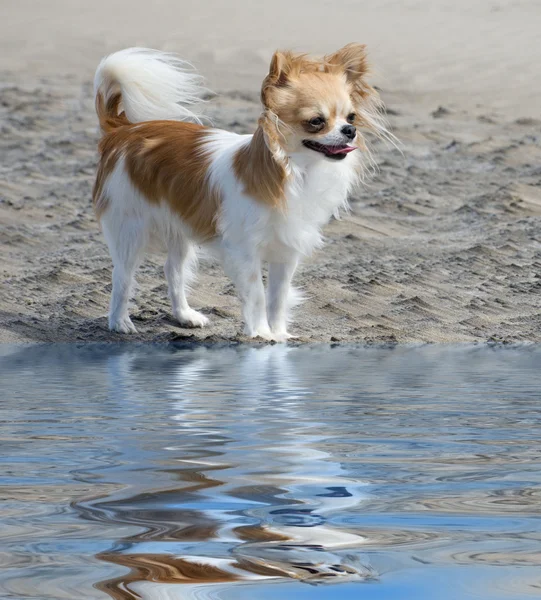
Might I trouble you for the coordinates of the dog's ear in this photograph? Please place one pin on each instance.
(278, 77)
(279, 68)
(350, 59)
(269, 124)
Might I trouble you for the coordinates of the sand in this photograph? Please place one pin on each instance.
(442, 245)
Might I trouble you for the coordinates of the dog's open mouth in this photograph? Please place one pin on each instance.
(334, 152)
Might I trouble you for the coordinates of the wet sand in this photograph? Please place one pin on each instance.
(442, 245)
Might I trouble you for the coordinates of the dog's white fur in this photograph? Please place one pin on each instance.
(155, 85)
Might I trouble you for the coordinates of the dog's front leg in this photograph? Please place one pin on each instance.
(244, 268)
(279, 296)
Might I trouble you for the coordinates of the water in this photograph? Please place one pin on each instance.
(158, 472)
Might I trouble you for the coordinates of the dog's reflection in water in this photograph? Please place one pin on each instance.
(256, 445)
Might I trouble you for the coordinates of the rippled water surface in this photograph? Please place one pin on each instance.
(158, 472)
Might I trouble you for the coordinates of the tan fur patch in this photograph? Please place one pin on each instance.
(166, 161)
(109, 114)
(263, 176)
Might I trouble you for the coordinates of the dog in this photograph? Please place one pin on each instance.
(254, 199)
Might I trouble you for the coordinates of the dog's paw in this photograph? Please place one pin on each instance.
(262, 332)
(191, 318)
(282, 336)
(122, 325)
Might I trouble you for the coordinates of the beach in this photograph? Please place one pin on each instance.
(443, 242)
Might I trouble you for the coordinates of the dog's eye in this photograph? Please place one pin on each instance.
(316, 122)
(351, 117)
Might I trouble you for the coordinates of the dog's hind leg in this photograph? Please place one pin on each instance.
(179, 270)
(125, 237)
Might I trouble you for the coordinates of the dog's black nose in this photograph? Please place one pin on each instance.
(349, 131)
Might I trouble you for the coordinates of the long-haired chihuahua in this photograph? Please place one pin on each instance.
(256, 199)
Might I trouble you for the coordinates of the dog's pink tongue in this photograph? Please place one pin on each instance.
(340, 149)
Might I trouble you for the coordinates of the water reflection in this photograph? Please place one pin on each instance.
(248, 459)
(161, 472)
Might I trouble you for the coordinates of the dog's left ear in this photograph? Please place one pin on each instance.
(279, 69)
(351, 59)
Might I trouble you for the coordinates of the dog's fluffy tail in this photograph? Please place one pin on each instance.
(146, 85)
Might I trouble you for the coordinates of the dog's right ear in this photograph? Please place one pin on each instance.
(279, 68)
(278, 77)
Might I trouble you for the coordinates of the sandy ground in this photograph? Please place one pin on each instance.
(443, 245)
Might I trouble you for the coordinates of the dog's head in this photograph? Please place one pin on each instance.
(318, 107)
